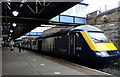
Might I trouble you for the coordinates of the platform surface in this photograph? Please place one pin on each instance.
(29, 63)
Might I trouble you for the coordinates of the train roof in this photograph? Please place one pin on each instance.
(85, 28)
(78, 28)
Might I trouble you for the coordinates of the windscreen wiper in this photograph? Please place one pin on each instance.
(97, 39)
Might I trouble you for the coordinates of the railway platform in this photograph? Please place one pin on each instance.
(30, 63)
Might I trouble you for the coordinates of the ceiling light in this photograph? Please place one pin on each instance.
(11, 31)
(14, 24)
(9, 37)
(15, 13)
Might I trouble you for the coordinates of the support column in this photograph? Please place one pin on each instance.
(0, 39)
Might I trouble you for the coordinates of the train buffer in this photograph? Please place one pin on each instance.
(31, 63)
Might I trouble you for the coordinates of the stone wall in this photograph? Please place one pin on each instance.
(111, 31)
(111, 28)
(119, 26)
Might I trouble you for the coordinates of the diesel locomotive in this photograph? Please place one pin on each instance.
(85, 43)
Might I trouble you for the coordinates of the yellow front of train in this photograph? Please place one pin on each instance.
(100, 52)
(99, 43)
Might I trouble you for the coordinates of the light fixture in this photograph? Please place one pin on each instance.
(14, 24)
(15, 13)
(9, 37)
(11, 31)
(10, 34)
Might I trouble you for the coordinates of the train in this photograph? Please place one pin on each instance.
(85, 44)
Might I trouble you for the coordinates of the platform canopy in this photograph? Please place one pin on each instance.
(30, 15)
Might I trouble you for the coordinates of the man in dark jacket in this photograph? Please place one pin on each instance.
(19, 45)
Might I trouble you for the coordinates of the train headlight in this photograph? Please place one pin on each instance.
(118, 52)
(98, 53)
(101, 53)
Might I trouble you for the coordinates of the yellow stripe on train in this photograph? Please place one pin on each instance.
(97, 46)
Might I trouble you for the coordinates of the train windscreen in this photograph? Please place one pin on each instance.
(98, 37)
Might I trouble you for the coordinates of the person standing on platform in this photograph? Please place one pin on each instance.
(11, 45)
(19, 45)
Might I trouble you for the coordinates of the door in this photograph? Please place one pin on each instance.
(39, 45)
(72, 44)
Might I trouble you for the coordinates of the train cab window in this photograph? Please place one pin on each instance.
(98, 37)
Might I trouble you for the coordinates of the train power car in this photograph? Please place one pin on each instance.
(85, 43)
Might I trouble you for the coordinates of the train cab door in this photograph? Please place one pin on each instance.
(71, 43)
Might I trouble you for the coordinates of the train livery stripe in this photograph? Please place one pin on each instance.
(97, 46)
(88, 40)
(105, 46)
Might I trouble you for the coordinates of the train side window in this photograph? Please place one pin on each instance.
(34, 42)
